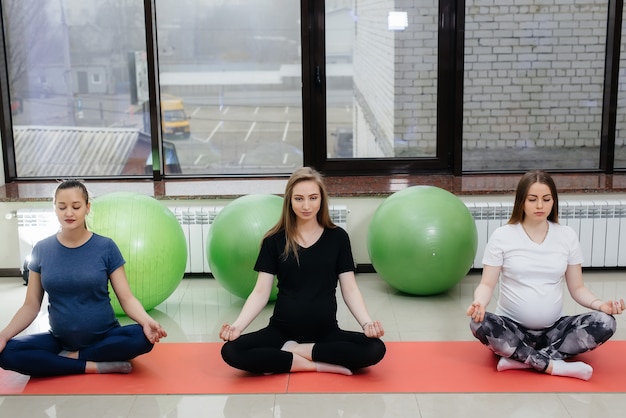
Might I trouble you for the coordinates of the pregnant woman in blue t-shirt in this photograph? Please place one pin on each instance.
(74, 268)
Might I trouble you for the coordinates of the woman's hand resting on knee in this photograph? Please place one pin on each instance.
(229, 333)
(373, 329)
(612, 307)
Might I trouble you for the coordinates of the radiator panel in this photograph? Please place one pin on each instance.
(600, 225)
(197, 220)
(611, 244)
(621, 239)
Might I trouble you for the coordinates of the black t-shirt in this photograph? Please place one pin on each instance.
(307, 292)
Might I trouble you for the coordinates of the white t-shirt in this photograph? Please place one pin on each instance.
(531, 280)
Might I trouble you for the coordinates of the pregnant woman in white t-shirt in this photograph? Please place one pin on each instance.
(529, 257)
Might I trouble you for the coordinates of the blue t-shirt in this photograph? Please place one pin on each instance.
(77, 283)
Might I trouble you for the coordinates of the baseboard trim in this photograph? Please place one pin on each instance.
(365, 268)
(10, 273)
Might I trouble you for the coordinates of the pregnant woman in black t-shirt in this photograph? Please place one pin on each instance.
(309, 255)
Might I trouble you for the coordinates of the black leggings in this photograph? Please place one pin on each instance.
(260, 351)
(569, 336)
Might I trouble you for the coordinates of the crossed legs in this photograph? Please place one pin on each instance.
(545, 350)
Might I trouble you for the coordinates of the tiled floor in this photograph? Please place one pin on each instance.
(199, 306)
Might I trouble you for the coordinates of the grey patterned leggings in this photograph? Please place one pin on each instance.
(569, 336)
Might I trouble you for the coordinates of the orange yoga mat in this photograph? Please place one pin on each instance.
(427, 367)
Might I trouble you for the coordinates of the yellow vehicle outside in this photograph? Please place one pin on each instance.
(174, 121)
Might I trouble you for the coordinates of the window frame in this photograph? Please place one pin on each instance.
(450, 69)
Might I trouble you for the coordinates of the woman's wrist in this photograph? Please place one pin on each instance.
(597, 305)
(366, 324)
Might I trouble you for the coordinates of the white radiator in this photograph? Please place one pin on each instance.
(38, 223)
(196, 222)
(32, 226)
(600, 225)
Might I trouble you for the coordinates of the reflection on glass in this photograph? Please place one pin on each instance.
(70, 86)
(232, 70)
(533, 85)
(381, 79)
(620, 129)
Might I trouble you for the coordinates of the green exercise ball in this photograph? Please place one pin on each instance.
(151, 240)
(234, 241)
(422, 240)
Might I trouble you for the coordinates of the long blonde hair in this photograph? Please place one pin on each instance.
(287, 221)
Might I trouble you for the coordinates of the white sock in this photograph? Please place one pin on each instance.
(332, 368)
(508, 364)
(576, 369)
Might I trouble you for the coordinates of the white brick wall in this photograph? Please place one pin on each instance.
(374, 72)
(533, 77)
(620, 135)
(533, 73)
(416, 76)
(395, 78)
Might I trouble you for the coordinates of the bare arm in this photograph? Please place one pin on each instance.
(356, 304)
(133, 308)
(484, 292)
(583, 296)
(256, 301)
(27, 313)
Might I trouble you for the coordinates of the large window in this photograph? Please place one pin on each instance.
(381, 77)
(620, 132)
(69, 86)
(196, 88)
(231, 85)
(533, 84)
